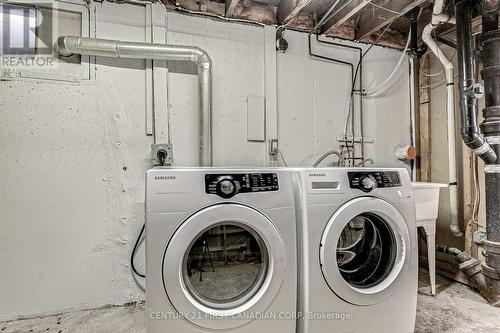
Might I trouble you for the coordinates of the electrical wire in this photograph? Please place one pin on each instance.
(434, 85)
(386, 9)
(433, 74)
(477, 192)
(363, 56)
(377, 90)
(133, 253)
(282, 157)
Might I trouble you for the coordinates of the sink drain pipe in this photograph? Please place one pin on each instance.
(68, 45)
(439, 17)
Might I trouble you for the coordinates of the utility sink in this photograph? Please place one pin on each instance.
(427, 200)
(426, 205)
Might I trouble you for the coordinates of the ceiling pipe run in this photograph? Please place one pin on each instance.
(68, 45)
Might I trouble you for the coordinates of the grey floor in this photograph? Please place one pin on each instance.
(455, 309)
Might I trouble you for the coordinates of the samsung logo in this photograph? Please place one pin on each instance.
(164, 177)
(317, 175)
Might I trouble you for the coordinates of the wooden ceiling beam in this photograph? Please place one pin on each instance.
(378, 17)
(289, 9)
(344, 14)
(230, 7)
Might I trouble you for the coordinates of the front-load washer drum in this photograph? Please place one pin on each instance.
(363, 252)
(224, 265)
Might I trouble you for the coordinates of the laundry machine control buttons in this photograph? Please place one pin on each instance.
(228, 185)
(368, 181)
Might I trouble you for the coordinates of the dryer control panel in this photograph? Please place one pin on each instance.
(370, 180)
(228, 185)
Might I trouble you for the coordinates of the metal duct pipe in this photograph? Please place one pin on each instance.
(68, 45)
(467, 89)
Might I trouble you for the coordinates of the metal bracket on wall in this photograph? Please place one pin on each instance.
(162, 154)
(479, 237)
(273, 150)
(357, 139)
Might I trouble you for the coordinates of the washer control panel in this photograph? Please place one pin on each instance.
(228, 185)
(368, 181)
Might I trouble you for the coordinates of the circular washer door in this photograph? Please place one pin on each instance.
(363, 252)
(223, 264)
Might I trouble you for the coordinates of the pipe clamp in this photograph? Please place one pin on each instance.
(491, 246)
(493, 140)
(485, 147)
(492, 168)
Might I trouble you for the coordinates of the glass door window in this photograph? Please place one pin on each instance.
(366, 251)
(225, 265)
(223, 261)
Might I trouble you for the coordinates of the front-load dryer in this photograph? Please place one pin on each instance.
(220, 250)
(358, 251)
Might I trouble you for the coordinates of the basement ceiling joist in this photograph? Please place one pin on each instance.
(360, 20)
(381, 13)
(230, 7)
(344, 13)
(289, 9)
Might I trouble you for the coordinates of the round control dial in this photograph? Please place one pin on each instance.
(367, 183)
(226, 188)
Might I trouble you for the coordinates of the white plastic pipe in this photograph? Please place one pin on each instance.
(67, 45)
(437, 18)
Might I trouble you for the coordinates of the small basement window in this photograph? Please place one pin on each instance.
(28, 34)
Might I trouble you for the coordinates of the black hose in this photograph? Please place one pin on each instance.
(133, 253)
(460, 256)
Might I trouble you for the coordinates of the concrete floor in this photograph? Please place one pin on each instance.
(455, 309)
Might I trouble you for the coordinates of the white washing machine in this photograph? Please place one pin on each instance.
(220, 250)
(358, 251)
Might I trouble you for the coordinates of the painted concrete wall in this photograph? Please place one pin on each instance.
(73, 155)
(312, 96)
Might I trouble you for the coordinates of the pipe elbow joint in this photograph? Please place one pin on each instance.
(426, 34)
(60, 46)
(479, 147)
(202, 59)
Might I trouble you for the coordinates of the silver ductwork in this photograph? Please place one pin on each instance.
(68, 45)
